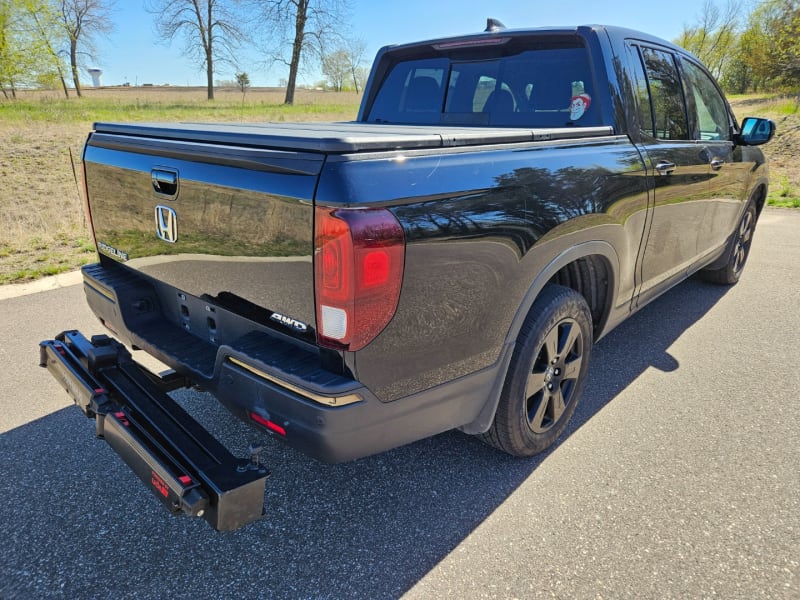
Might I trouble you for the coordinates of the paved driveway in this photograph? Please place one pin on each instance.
(679, 477)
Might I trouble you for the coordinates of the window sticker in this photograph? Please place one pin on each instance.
(578, 106)
(580, 101)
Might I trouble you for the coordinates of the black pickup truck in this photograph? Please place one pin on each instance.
(446, 261)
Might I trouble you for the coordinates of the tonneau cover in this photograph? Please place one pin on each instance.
(343, 137)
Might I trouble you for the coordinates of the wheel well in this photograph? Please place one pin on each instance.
(590, 277)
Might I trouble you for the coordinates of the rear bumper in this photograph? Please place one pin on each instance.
(273, 382)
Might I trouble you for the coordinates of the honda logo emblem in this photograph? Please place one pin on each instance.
(166, 224)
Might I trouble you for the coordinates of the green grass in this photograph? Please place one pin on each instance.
(78, 110)
(40, 258)
(45, 270)
(783, 202)
(783, 195)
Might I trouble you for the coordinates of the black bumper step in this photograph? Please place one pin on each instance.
(184, 466)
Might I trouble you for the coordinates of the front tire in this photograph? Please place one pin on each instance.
(738, 253)
(546, 376)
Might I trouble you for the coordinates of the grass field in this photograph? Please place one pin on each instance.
(43, 227)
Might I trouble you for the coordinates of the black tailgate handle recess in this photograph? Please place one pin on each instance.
(181, 463)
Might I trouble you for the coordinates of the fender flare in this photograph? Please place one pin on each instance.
(596, 247)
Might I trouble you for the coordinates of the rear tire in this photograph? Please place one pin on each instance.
(546, 376)
(738, 253)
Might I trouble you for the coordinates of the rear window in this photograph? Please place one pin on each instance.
(542, 87)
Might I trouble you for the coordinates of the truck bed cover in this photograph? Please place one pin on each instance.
(343, 137)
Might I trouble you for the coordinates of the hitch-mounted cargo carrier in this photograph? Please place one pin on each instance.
(185, 467)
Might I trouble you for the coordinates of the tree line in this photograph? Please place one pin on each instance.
(44, 42)
(755, 51)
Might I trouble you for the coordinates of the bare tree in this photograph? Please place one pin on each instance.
(345, 64)
(210, 28)
(713, 40)
(336, 68)
(356, 54)
(82, 20)
(305, 26)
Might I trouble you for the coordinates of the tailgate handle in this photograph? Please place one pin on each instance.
(165, 181)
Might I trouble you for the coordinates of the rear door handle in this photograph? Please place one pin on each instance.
(665, 168)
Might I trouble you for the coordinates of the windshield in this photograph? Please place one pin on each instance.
(544, 87)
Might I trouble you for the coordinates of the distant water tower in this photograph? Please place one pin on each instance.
(95, 73)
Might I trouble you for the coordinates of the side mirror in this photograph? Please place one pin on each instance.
(755, 131)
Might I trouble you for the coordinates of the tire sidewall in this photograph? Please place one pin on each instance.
(732, 274)
(554, 305)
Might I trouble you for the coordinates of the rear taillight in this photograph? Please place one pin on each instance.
(358, 272)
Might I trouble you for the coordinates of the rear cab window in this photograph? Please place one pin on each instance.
(535, 84)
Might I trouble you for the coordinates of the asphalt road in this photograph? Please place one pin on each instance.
(679, 477)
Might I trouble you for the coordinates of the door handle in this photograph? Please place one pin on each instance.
(665, 168)
(716, 164)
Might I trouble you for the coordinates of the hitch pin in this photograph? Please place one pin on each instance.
(254, 450)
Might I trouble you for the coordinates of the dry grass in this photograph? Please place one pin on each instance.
(41, 209)
(42, 226)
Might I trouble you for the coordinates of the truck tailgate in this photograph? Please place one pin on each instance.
(212, 220)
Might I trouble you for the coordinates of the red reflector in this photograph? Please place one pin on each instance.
(185, 480)
(158, 483)
(268, 424)
(99, 391)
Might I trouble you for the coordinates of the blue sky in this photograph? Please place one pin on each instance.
(133, 53)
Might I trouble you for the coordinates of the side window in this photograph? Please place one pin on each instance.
(641, 94)
(666, 93)
(712, 120)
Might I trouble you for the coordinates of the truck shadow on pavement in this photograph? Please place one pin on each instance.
(76, 523)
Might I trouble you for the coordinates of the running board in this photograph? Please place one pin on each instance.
(184, 466)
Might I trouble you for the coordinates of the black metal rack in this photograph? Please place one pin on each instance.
(184, 466)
